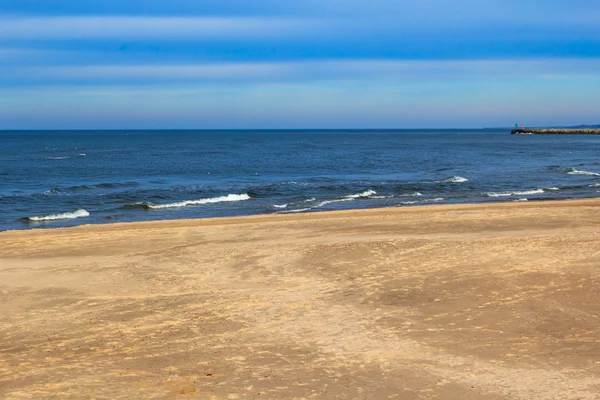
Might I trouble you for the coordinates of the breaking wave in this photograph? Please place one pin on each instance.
(454, 179)
(411, 194)
(573, 171)
(55, 217)
(199, 202)
(365, 194)
(506, 194)
(406, 203)
(434, 200)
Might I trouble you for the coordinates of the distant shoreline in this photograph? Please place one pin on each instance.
(556, 131)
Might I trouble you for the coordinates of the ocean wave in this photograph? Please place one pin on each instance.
(325, 202)
(552, 188)
(521, 200)
(295, 203)
(574, 171)
(199, 202)
(296, 211)
(81, 155)
(55, 217)
(365, 194)
(435, 200)
(56, 158)
(454, 179)
(411, 194)
(506, 194)
(105, 185)
(595, 185)
(410, 202)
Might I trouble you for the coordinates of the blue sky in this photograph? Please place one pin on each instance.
(69, 64)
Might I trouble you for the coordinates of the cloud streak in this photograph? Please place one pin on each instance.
(120, 27)
(321, 70)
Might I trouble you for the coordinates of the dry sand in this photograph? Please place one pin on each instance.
(447, 302)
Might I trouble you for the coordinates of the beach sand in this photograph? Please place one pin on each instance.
(497, 301)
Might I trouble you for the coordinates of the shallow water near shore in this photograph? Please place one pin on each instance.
(56, 179)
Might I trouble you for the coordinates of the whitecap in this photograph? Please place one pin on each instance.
(365, 194)
(454, 179)
(521, 200)
(199, 202)
(280, 205)
(523, 193)
(573, 171)
(55, 217)
(434, 200)
(552, 188)
(56, 158)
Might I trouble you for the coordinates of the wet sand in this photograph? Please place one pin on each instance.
(494, 301)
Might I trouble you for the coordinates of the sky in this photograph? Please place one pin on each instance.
(301, 64)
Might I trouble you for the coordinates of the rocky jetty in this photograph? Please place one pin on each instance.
(556, 131)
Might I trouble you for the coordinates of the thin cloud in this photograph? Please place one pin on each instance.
(136, 27)
(323, 70)
(183, 72)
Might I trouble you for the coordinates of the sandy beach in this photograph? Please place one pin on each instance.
(495, 301)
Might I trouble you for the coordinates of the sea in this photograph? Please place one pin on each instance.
(53, 179)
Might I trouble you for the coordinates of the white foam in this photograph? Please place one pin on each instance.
(55, 217)
(280, 205)
(409, 202)
(506, 194)
(454, 179)
(365, 194)
(199, 202)
(56, 158)
(296, 211)
(325, 202)
(595, 185)
(411, 194)
(521, 200)
(574, 171)
(436, 200)
(552, 188)
(82, 154)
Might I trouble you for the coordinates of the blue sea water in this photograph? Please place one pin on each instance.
(56, 179)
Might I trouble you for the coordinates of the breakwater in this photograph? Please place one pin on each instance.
(556, 131)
